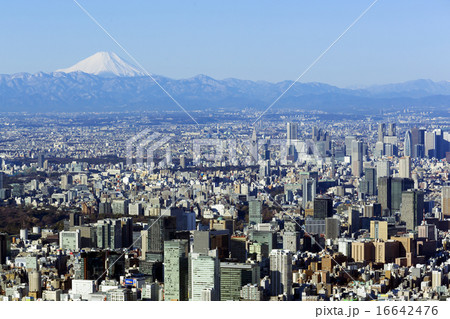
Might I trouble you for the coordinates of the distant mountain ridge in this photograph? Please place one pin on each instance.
(104, 82)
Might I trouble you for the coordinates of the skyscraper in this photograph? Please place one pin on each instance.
(309, 191)
(281, 273)
(392, 130)
(233, 276)
(431, 144)
(357, 158)
(383, 169)
(408, 145)
(412, 208)
(255, 211)
(405, 167)
(3, 249)
(176, 269)
(381, 132)
(384, 194)
(445, 201)
(323, 207)
(292, 131)
(204, 275)
(398, 186)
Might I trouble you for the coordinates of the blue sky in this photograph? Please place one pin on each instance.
(256, 40)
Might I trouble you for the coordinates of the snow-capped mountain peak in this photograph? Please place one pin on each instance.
(106, 64)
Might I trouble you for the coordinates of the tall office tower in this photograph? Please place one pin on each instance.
(332, 228)
(41, 160)
(348, 144)
(127, 231)
(152, 241)
(309, 191)
(369, 182)
(384, 194)
(176, 270)
(392, 130)
(439, 147)
(405, 167)
(292, 131)
(353, 220)
(408, 145)
(418, 142)
(383, 169)
(109, 234)
(204, 274)
(436, 279)
(445, 201)
(2, 179)
(323, 207)
(254, 211)
(379, 149)
(3, 248)
(412, 208)
(372, 210)
(34, 279)
(398, 186)
(66, 181)
(357, 158)
(381, 132)
(234, 276)
(70, 240)
(379, 230)
(291, 241)
(281, 273)
(183, 161)
(430, 144)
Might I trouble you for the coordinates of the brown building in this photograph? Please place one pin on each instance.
(407, 245)
(363, 251)
(386, 251)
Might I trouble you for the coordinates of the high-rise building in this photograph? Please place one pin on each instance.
(234, 276)
(381, 132)
(70, 240)
(392, 130)
(152, 241)
(369, 182)
(398, 186)
(379, 230)
(431, 142)
(176, 269)
(445, 201)
(384, 194)
(353, 220)
(109, 234)
(412, 208)
(308, 191)
(3, 248)
(436, 279)
(332, 228)
(408, 145)
(405, 167)
(41, 160)
(255, 211)
(357, 158)
(204, 274)
(348, 144)
(281, 273)
(383, 169)
(291, 241)
(34, 279)
(292, 131)
(323, 207)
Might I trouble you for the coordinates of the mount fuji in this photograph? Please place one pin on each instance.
(105, 82)
(105, 64)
